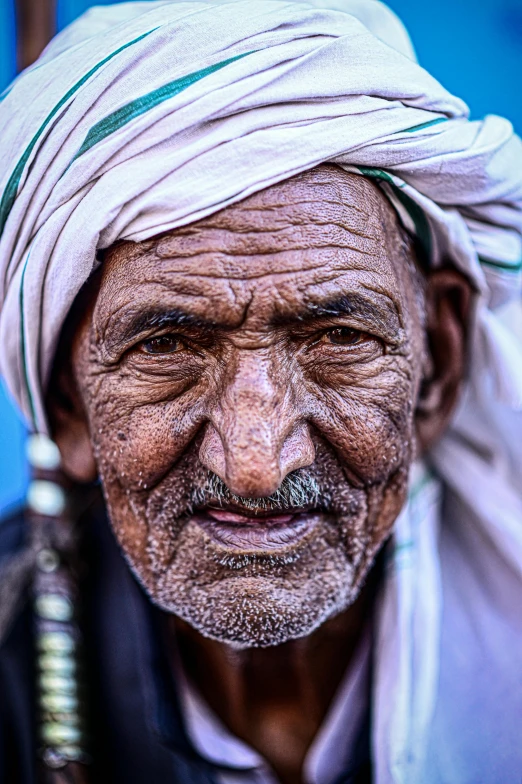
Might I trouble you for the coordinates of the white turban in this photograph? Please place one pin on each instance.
(144, 116)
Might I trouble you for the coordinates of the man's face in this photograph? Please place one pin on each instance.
(250, 384)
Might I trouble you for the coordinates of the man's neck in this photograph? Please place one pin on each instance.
(275, 699)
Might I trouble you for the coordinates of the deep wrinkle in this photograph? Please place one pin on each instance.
(376, 315)
(135, 325)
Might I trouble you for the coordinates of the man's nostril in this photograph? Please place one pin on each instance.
(253, 484)
(212, 452)
(298, 450)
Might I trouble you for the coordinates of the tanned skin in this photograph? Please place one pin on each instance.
(290, 334)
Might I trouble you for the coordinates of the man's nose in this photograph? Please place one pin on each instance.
(255, 437)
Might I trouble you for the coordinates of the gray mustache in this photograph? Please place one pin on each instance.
(298, 489)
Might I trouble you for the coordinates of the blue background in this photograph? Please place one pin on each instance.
(474, 47)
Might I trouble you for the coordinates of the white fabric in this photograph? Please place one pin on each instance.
(96, 146)
(331, 753)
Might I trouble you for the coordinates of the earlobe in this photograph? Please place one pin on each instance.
(448, 301)
(69, 428)
(75, 447)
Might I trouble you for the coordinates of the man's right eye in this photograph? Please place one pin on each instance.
(165, 344)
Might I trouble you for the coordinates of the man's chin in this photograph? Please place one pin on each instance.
(252, 599)
(260, 611)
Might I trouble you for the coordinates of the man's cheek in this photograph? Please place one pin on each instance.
(132, 531)
(371, 433)
(144, 521)
(142, 442)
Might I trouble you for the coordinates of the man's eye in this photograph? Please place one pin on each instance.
(165, 344)
(344, 336)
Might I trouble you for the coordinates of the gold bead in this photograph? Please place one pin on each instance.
(56, 642)
(54, 607)
(57, 684)
(57, 734)
(48, 560)
(58, 703)
(45, 498)
(42, 452)
(56, 664)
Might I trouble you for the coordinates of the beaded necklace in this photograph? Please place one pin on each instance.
(63, 747)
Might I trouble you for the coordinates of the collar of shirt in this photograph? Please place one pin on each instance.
(333, 751)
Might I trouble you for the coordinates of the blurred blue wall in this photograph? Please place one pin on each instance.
(13, 471)
(474, 47)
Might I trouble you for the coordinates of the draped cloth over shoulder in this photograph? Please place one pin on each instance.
(144, 116)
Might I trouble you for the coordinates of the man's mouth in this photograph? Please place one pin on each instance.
(256, 532)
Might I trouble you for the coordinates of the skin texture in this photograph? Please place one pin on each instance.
(290, 334)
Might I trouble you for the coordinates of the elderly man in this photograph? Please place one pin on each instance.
(250, 254)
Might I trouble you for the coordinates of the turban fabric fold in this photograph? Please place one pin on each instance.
(145, 116)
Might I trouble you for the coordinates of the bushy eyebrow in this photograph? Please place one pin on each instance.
(380, 314)
(141, 322)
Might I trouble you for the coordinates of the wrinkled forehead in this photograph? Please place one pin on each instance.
(309, 238)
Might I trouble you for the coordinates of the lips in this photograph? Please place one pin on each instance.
(260, 533)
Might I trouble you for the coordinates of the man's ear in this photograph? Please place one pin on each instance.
(69, 424)
(448, 296)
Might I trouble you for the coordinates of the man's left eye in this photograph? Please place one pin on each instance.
(165, 344)
(344, 336)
